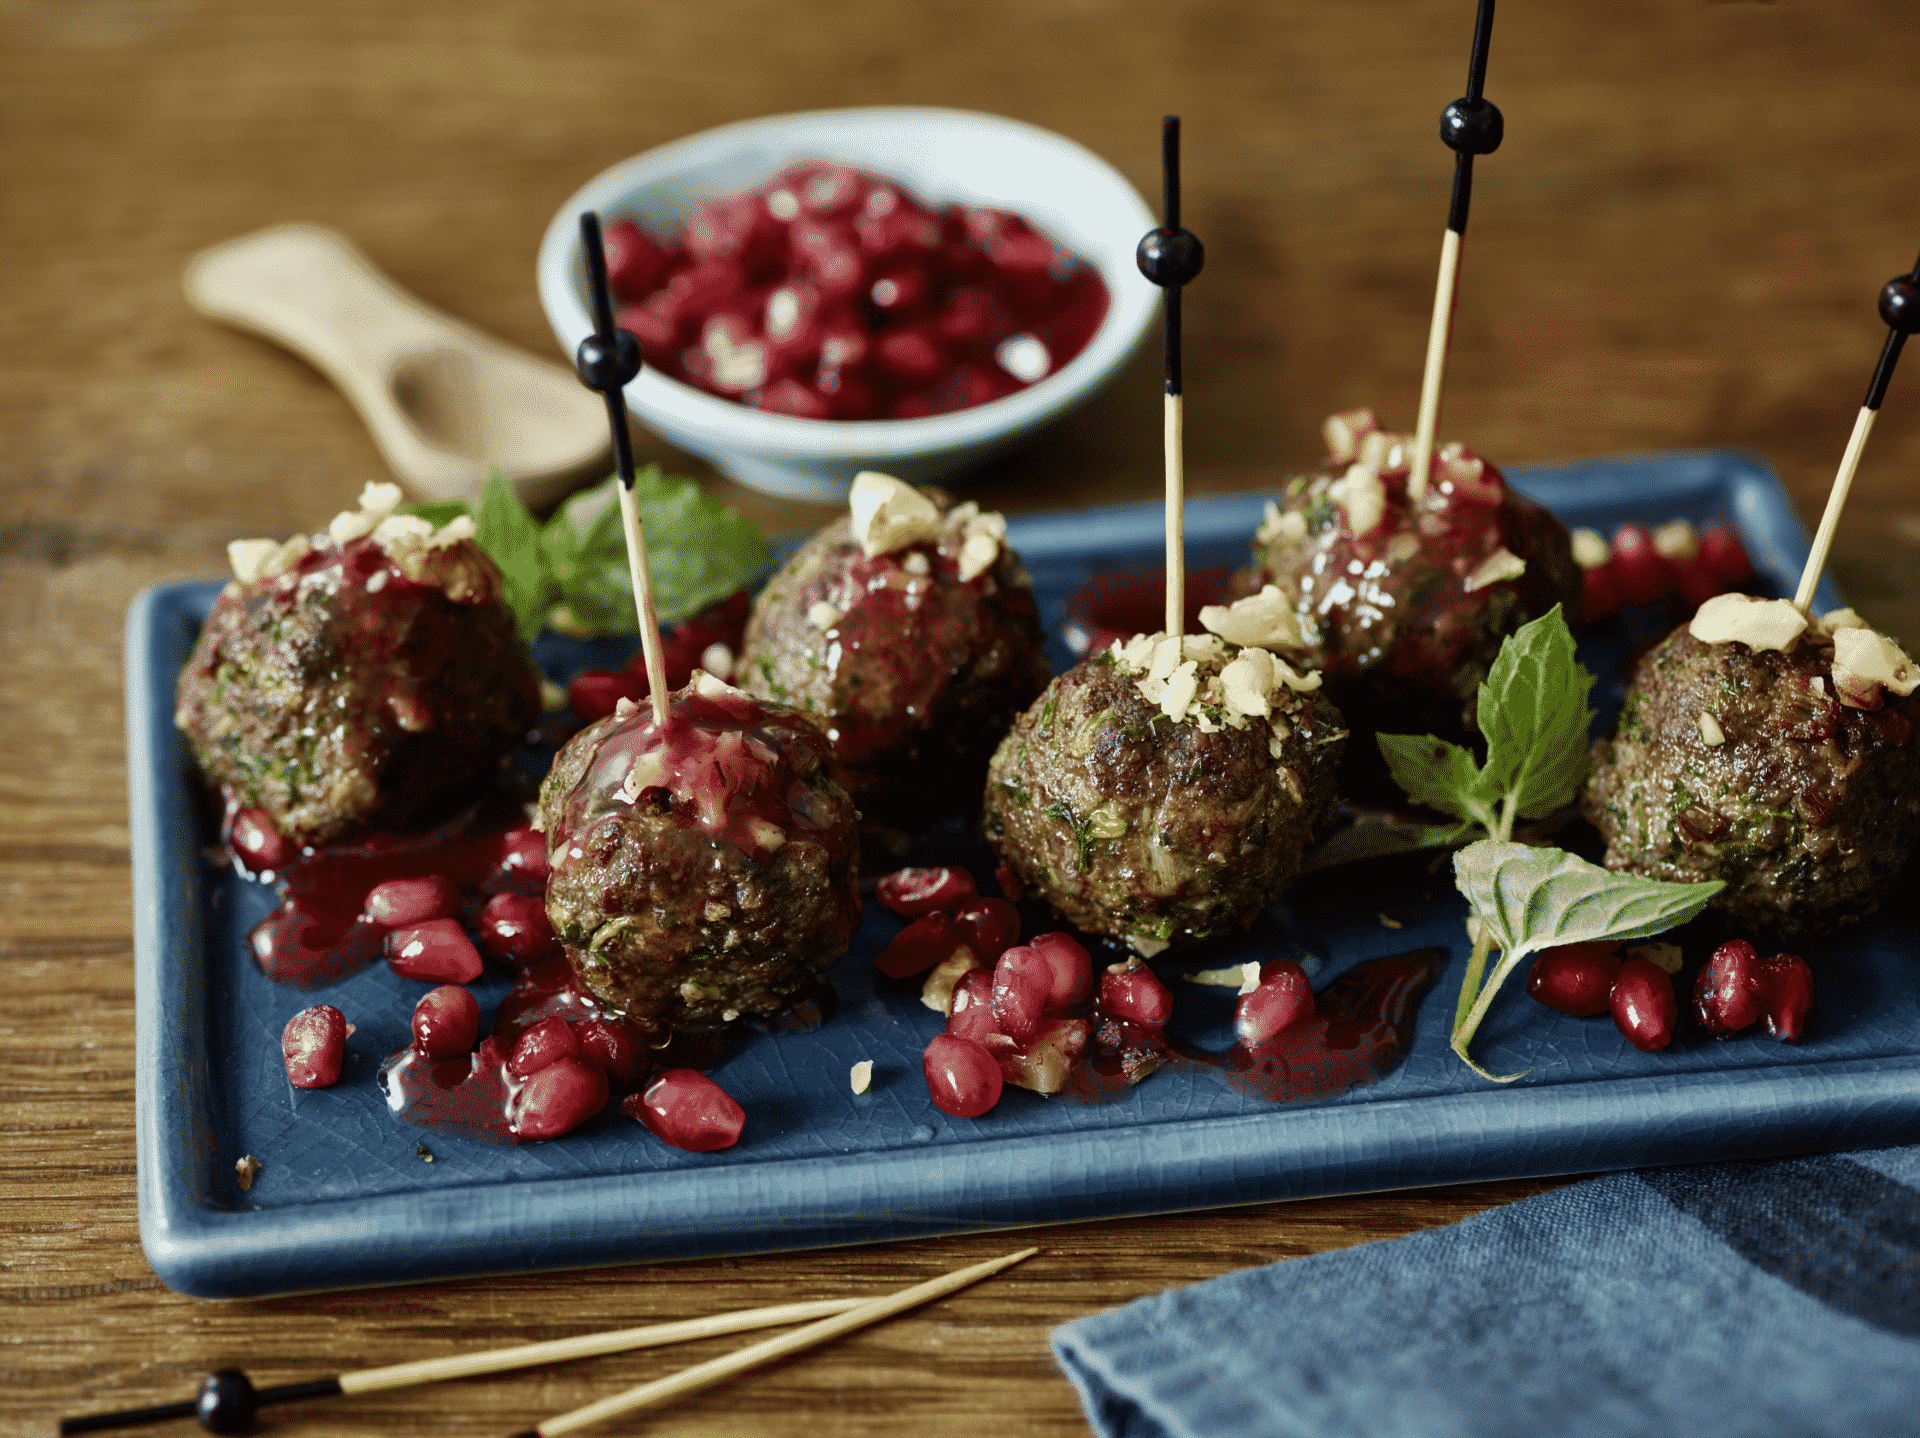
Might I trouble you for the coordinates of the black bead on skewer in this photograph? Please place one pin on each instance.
(609, 358)
(1900, 308)
(1170, 256)
(227, 1403)
(1472, 124)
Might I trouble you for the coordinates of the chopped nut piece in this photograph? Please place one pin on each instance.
(1181, 688)
(977, 555)
(1503, 563)
(1756, 623)
(889, 515)
(244, 1170)
(862, 1075)
(767, 836)
(822, 615)
(1344, 431)
(1591, 550)
(1665, 956)
(1146, 945)
(1248, 683)
(1837, 619)
(1265, 619)
(423, 1153)
(1362, 496)
(1676, 542)
(1389, 922)
(624, 706)
(1874, 658)
(937, 990)
(711, 686)
(1710, 729)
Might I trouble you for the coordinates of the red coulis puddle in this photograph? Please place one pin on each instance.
(319, 935)
(1119, 606)
(1359, 1032)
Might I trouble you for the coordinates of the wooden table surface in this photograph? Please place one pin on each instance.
(1679, 244)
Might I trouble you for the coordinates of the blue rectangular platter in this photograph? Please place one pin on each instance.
(343, 1198)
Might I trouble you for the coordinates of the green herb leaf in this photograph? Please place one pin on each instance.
(1371, 838)
(511, 537)
(1438, 774)
(1533, 713)
(1532, 899)
(440, 511)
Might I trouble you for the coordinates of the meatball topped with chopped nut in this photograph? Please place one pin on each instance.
(1783, 762)
(704, 872)
(908, 631)
(365, 677)
(1167, 789)
(1403, 602)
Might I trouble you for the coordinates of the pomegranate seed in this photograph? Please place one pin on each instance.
(400, 903)
(1021, 982)
(913, 892)
(1601, 594)
(617, 1046)
(1644, 576)
(927, 941)
(900, 292)
(446, 1022)
(688, 1110)
(988, 926)
(634, 258)
(968, 319)
(1072, 969)
(971, 1013)
(314, 1045)
(436, 950)
(1009, 883)
(558, 1099)
(1788, 984)
(1576, 979)
(1045, 1061)
(1724, 555)
(794, 397)
(256, 842)
(522, 865)
(515, 927)
(962, 1076)
(1728, 995)
(596, 693)
(1643, 1005)
(910, 353)
(1283, 999)
(489, 1056)
(832, 190)
(1130, 991)
(547, 1042)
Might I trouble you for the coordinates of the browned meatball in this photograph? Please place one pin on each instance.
(704, 874)
(354, 690)
(1156, 831)
(913, 672)
(1806, 807)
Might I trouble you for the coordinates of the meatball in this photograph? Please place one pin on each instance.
(1403, 603)
(367, 677)
(705, 873)
(1165, 820)
(1745, 765)
(913, 659)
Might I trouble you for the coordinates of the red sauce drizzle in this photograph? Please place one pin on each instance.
(1119, 606)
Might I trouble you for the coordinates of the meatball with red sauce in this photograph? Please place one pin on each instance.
(1403, 602)
(366, 677)
(909, 632)
(702, 872)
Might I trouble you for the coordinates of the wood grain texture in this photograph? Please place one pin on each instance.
(1678, 244)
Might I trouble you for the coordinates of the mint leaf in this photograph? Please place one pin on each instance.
(1438, 774)
(1533, 713)
(440, 511)
(1532, 899)
(511, 537)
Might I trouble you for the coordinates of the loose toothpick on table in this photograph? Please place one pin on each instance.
(703, 1375)
(1170, 257)
(1470, 126)
(1900, 308)
(228, 1400)
(606, 360)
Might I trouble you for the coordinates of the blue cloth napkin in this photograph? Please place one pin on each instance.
(1738, 1300)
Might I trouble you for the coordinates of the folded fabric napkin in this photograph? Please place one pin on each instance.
(1738, 1300)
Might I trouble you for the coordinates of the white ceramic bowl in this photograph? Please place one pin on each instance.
(1058, 186)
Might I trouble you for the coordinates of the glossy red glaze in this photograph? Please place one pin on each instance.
(1119, 606)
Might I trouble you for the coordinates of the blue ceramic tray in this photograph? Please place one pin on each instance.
(344, 1199)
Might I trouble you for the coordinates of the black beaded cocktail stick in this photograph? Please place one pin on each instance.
(228, 1400)
(1900, 308)
(606, 360)
(1170, 257)
(1470, 126)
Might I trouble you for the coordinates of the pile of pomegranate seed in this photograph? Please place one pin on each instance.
(1644, 567)
(831, 293)
(314, 1046)
(1737, 988)
(1017, 1023)
(695, 643)
(688, 1110)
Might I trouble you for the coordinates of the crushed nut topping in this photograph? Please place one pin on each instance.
(1503, 563)
(1710, 730)
(1756, 623)
(1264, 619)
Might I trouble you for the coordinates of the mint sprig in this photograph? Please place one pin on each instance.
(1533, 714)
(572, 572)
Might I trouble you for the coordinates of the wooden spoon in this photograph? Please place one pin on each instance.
(445, 402)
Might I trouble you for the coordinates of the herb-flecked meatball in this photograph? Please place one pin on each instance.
(367, 677)
(704, 873)
(913, 660)
(1745, 765)
(1159, 829)
(1403, 602)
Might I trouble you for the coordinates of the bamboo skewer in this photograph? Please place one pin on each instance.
(1171, 257)
(607, 359)
(704, 1375)
(1900, 308)
(1470, 126)
(234, 1395)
